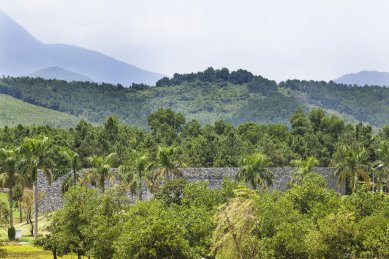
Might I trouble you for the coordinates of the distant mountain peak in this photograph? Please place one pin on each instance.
(21, 55)
(365, 77)
(59, 73)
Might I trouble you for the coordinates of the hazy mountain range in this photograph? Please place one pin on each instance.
(21, 55)
(365, 78)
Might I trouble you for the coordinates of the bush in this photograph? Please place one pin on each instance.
(11, 233)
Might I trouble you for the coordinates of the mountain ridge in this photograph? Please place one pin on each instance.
(365, 78)
(59, 73)
(22, 54)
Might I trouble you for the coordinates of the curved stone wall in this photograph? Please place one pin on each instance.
(51, 197)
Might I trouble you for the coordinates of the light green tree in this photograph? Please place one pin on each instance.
(73, 163)
(303, 167)
(351, 165)
(36, 158)
(9, 175)
(254, 171)
(133, 175)
(102, 170)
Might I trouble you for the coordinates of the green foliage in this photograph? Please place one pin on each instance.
(255, 172)
(208, 96)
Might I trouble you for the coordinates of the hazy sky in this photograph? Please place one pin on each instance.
(279, 39)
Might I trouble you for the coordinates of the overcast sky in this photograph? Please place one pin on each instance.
(279, 39)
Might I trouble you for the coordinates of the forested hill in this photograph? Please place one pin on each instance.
(207, 96)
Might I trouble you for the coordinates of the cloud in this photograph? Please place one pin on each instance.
(306, 39)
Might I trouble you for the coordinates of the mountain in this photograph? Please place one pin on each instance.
(60, 74)
(21, 54)
(365, 78)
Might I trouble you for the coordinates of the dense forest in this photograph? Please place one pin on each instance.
(189, 220)
(208, 96)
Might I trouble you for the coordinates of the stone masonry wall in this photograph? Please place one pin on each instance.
(51, 197)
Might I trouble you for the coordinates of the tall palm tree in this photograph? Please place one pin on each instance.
(102, 170)
(133, 175)
(73, 163)
(36, 158)
(381, 165)
(168, 163)
(351, 166)
(254, 171)
(9, 174)
(303, 167)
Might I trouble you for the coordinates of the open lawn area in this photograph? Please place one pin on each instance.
(29, 251)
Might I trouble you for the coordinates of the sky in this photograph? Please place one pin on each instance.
(278, 39)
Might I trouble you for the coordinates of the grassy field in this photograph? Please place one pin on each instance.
(29, 251)
(14, 112)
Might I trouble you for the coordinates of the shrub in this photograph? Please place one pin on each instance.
(11, 233)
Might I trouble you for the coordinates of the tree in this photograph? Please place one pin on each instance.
(133, 175)
(36, 158)
(168, 163)
(71, 224)
(27, 205)
(303, 167)
(73, 163)
(254, 171)
(381, 166)
(299, 122)
(102, 170)
(9, 175)
(334, 237)
(159, 232)
(350, 166)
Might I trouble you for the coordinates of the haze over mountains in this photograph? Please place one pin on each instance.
(21, 55)
(365, 78)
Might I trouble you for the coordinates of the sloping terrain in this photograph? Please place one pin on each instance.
(14, 112)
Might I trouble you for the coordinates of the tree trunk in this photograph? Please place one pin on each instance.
(74, 178)
(11, 217)
(54, 253)
(20, 212)
(140, 187)
(78, 255)
(35, 209)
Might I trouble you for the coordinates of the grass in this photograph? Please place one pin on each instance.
(29, 251)
(14, 112)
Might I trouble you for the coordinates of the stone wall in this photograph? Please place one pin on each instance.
(51, 197)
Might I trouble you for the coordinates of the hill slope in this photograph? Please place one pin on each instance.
(14, 112)
(235, 99)
(365, 78)
(21, 54)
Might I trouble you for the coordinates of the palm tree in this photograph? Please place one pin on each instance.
(133, 175)
(36, 159)
(381, 165)
(254, 171)
(9, 174)
(102, 170)
(168, 163)
(303, 167)
(73, 162)
(351, 166)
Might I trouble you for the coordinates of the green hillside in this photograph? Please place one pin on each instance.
(207, 96)
(14, 112)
